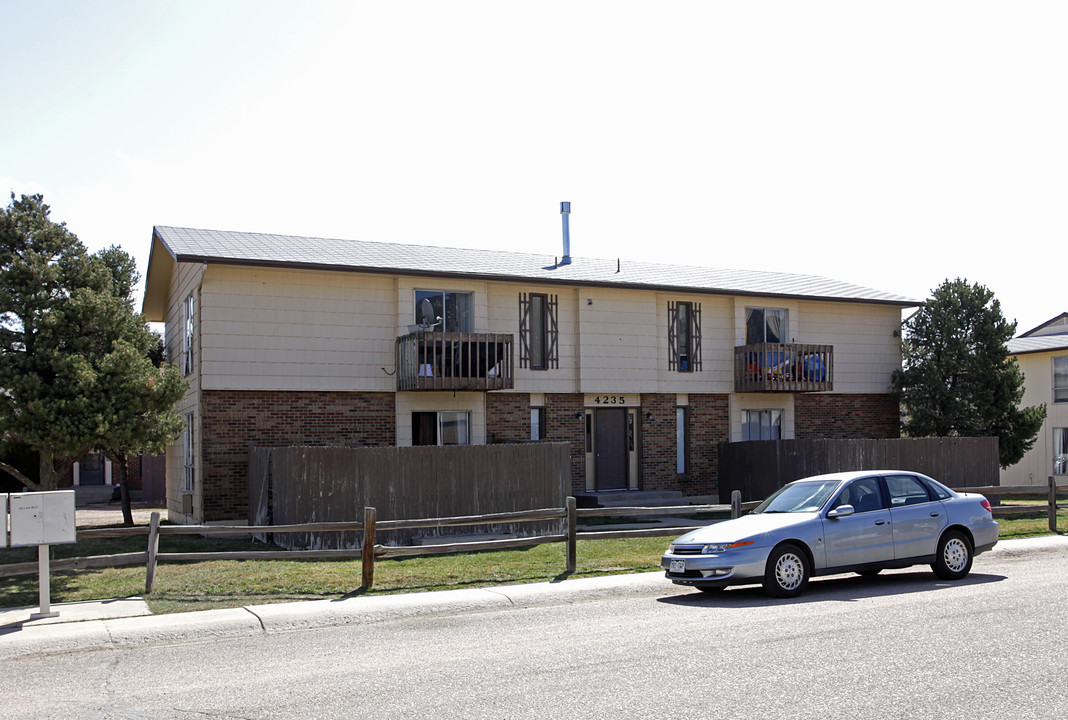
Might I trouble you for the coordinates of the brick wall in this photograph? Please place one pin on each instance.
(709, 425)
(565, 421)
(507, 417)
(233, 421)
(844, 417)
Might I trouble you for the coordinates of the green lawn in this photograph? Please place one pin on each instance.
(182, 587)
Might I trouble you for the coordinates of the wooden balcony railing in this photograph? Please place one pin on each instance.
(455, 361)
(783, 367)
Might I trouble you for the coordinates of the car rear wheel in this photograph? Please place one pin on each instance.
(954, 558)
(787, 571)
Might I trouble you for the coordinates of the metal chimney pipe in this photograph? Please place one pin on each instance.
(565, 210)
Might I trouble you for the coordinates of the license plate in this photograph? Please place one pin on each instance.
(677, 567)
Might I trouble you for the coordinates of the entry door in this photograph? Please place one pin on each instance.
(610, 448)
(92, 470)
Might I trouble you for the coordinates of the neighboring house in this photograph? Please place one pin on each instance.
(644, 368)
(1043, 357)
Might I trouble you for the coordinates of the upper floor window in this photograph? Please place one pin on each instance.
(684, 336)
(766, 325)
(441, 311)
(188, 316)
(538, 331)
(1060, 379)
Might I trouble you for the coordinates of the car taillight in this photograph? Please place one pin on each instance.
(986, 504)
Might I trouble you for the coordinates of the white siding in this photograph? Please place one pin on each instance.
(1037, 464)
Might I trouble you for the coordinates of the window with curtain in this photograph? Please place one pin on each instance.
(1060, 451)
(767, 325)
(538, 331)
(682, 440)
(684, 336)
(188, 457)
(441, 428)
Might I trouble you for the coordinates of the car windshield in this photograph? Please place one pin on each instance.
(798, 497)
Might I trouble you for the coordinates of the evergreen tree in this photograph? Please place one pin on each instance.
(75, 359)
(958, 378)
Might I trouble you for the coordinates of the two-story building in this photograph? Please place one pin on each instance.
(1043, 357)
(643, 368)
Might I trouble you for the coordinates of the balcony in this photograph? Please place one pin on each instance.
(455, 361)
(783, 367)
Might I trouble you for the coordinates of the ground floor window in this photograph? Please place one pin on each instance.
(1060, 451)
(441, 428)
(188, 457)
(761, 424)
(682, 444)
(537, 423)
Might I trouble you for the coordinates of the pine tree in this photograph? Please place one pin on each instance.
(958, 378)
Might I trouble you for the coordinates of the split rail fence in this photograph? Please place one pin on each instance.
(370, 552)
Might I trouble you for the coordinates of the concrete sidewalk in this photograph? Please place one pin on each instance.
(128, 622)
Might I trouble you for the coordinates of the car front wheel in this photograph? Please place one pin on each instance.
(954, 558)
(787, 571)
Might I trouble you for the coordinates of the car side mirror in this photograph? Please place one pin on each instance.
(841, 511)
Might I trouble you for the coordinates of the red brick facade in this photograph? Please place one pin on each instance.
(846, 417)
(233, 421)
(708, 425)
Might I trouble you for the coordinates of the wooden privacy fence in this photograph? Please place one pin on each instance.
(759, 467)
(291, 486)
(370, 551)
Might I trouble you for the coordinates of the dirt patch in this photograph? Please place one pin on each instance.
(87, 516)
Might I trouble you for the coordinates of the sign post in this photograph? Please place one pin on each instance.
(42, 519)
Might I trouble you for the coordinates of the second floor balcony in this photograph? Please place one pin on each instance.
(455, 361)
(783, 367)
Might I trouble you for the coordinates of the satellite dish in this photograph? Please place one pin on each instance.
(427, 319)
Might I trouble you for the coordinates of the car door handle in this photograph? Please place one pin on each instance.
(935, 514)
(881, 522)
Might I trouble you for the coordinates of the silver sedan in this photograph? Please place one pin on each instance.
(844, 522)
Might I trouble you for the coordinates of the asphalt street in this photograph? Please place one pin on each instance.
(903, 644)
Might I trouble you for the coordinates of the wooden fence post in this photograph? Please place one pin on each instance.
(369, 519)
(736, 504)
(572, 534)
(153, 548)
(1052, 504)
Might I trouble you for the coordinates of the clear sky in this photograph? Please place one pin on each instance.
(890, 144)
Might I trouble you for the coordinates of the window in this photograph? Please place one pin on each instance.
(441, 428)
(682, 439)
(440, 311)
(188, 316)
(863, 494)
(537, 423)
(1060, 379)
(761, 424)
(538, 331)
(1060, 451)
(188, 457)
(684, 336)
(766, 325)
(906, 490)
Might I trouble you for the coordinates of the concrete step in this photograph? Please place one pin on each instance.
(92, 494)
(630, 498)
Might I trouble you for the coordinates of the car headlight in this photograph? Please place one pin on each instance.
(717, 548)
(671, 549)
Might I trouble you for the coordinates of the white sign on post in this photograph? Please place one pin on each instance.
(42, 519)
(3, 519)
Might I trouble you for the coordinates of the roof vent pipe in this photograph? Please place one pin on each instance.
(565, 210)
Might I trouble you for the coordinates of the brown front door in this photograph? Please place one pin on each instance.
(610, 448)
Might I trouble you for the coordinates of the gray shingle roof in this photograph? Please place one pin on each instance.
(191, 245)
(1041, 343)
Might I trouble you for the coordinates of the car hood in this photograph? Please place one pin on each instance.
(747, 527)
